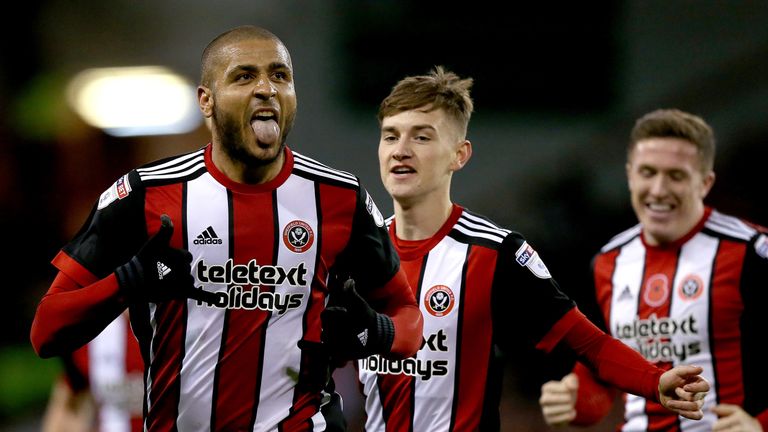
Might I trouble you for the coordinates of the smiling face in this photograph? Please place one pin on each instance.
(418, 152)
(667, 186)
(251, 100)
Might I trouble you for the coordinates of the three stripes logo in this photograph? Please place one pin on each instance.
(207, 237)
(363, 337)
(162, 270)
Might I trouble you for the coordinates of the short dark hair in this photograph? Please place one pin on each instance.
(674, 123)
(233, 35)
(439, 89)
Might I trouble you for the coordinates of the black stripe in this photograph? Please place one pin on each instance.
(490, 231)
(322, 179)
(185, 178)
(722, 236)
(212, 232)
(471, 240)
(311, 164)
(176, 160)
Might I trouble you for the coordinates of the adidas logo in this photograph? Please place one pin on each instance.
(162, 270)
(363, 337)
(207, 237)
(625, 294)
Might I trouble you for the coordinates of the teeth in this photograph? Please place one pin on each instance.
(401, 170)
(660, 207)
(264, 116)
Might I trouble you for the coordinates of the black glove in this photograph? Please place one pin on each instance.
(351, 328)
(159, 273)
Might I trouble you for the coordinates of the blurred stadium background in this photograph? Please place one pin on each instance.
(557, 88)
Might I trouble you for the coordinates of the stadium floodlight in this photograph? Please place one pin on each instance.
(131, 101)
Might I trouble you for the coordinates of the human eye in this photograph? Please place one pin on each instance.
(678, 176)
(244, 76)
(389, 137)
(281, 75)
(646, 172)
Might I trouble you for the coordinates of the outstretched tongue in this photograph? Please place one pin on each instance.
(266, 131)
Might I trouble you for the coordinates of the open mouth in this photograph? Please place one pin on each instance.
(265, 127)
(402, 170)
(659, 207)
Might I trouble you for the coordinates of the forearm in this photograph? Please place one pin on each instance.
(70, 315)
(406, 317)
(594, 399)
(612, 361)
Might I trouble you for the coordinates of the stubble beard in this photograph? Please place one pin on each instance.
(233, 140)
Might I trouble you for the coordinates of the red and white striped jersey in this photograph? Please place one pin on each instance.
(478, 286)
(267, 250)
(697, 301)
(111, 369)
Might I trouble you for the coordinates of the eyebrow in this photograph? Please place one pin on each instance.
(251, 68)
(415, 127)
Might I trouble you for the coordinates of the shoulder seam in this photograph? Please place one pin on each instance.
(313, 167)
(473, 225)
(621, 238)
(173, 168)
(730, 226)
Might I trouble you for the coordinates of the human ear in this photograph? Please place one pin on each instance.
(205, 101)
(463, 154)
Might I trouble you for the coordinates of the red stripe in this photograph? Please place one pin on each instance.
(338, 210)
(166, 366)
(727, 308)
(476, 333)
(396, 392)
(605, 265)
(240, 364)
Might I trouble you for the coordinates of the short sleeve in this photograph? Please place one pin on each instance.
(369, 258)
(527, 301)
(114, 230)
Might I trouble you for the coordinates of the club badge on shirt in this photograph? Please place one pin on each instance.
(526, 256)
(298, 236)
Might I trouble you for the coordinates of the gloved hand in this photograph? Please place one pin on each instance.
(159, 273)
(351, 328)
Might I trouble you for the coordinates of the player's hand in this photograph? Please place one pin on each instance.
(734, 418)
(558, 400)
(159, 272)
(682, 390)
(351, 328)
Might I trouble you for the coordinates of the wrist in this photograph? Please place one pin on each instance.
(129, 277)
(385, 329)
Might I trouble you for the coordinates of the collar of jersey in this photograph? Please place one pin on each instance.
(684, 239)
(234, 186)
(419, 248)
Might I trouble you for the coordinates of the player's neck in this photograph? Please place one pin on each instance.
(420, 221)
(242, 172)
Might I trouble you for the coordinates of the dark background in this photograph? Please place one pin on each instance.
(557, 88)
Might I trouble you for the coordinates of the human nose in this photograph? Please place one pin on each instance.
(659, 185)
(264, 88)
(402, 150)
